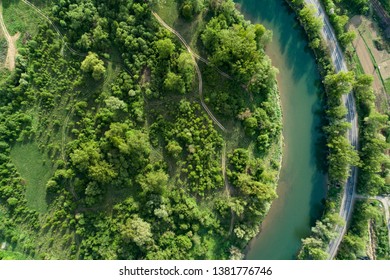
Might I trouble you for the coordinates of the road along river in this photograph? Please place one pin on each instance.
(301, 186)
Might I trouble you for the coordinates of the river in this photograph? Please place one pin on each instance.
(301, 186)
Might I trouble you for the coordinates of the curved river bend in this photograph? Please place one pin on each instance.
(301, 186)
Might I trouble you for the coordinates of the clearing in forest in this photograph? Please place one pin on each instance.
(35, 169)
(11, 42)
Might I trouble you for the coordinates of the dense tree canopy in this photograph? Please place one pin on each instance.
(135, 161)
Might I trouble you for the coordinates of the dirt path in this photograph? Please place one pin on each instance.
(171, 30)
(194, 57)
(11, 42)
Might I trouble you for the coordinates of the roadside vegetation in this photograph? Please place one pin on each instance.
(339, 19)
(372, 155)
(386, 5)
(374, 174)
(367, 235)
(130, 164)
(369, 43)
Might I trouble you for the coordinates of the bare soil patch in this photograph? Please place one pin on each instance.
(372, 58)
(12, 52)
(369, 31)
(11, 41)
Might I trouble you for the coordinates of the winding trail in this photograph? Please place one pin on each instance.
(352, 134)
(42, 14)
(200, 89)
(194, 57)
(163, 23)
(228, 187)
(11, 42)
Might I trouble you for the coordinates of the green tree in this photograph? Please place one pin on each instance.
(337, 85)
(347, 38)
(174, 149)
(312, 23)
(313, 249)
(174, 83)
(154, 182)
(138, 231)
(93, 64)
(165, 48)
(250, 125)
(186, 67)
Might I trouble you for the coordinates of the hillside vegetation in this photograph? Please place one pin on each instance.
(106, 151)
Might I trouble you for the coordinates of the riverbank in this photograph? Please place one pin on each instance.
(342, 141)
(301, 181)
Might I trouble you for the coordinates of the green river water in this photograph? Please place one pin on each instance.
(301, 185)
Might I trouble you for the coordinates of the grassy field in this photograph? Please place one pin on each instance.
(19, 17)
(168, 11)
(3, 49)
(10, 255)
(358, 68)
(35, 168)
(387, 85)
(4, 73)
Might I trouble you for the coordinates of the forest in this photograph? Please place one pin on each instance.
(104, 102)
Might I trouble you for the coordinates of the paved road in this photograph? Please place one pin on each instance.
(349, 102)
(194, 57)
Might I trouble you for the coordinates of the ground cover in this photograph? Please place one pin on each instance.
(373, 56)
(19, 17)
(168, 10)
(387, 85)
(4, 72)
(35, 168)
(91, 118)
(366, 237)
